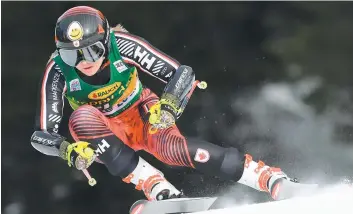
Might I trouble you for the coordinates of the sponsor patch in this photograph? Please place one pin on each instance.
(120, 66)
(104, 92)
(75, 85)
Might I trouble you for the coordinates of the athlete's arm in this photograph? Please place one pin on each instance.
(49, 111)
(140, 53)
(137, 51)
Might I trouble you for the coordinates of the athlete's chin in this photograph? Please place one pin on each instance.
(89, 71)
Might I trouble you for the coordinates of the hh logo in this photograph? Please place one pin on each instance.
(104, 92)
(202, 155)
(102, 147)
(145, 59)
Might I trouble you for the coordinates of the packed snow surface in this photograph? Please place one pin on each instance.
(331, 200)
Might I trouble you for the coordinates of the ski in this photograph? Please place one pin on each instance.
(173, 206)
(190, 205)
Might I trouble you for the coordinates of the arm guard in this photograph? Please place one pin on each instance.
(47, 143)
(178, 87)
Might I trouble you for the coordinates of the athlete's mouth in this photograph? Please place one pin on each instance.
(89, 67)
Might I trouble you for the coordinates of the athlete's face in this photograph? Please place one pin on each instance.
(90, 68)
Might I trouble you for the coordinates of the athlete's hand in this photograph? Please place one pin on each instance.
(163, 114)
(80, 154)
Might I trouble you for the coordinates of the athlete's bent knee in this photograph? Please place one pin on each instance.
(119, 159)
(87, 122)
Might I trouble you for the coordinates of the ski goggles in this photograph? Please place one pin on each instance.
(91, 53)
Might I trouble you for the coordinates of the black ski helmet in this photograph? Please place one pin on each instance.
(79, 28)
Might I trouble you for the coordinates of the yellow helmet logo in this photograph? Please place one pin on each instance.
(75, 31)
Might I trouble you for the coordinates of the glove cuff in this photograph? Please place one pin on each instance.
(63, 149)
(169, 109)
(171, 99)
(170, 103)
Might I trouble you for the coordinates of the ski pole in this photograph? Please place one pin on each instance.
(199, 84)
(91, 181)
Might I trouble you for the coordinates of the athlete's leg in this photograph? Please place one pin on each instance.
(174, 149)
(228, 163)
(170, 147)
(89, 124)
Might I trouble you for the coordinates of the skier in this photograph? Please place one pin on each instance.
(95, 67)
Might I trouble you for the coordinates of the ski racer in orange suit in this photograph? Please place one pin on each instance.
(95, 67)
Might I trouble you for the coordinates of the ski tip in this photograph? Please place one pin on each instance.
(137, 207)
